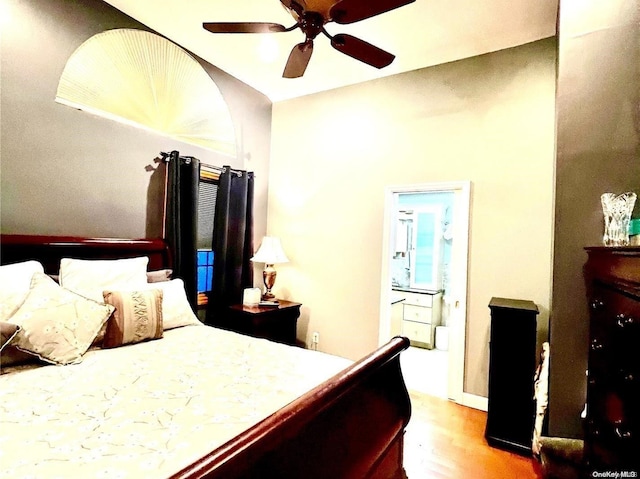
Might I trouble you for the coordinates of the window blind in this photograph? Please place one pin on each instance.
(207, 193)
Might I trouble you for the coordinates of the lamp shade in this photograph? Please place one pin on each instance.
(270, 252)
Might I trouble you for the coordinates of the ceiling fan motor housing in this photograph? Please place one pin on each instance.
(311, 23)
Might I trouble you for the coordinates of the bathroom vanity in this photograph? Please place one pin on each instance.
(421, 313)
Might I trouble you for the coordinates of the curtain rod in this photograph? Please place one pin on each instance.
(165, 157)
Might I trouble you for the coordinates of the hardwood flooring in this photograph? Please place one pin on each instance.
(446, 441)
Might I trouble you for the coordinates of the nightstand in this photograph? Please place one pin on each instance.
(277, 323)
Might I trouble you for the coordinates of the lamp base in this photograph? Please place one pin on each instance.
(268, 296)
(269, 278)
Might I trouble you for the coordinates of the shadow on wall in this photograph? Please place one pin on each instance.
(155, 199)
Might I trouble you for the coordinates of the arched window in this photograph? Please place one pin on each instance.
(144, 80)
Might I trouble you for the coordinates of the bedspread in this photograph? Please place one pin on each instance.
(149, 409)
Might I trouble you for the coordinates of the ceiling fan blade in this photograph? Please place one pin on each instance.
(361, 50)
(350, 11)
(298, 60)
(243, 27)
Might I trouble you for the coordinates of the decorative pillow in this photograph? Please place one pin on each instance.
(90, 278)
(159, 275)
(15, 280)
(138, 317)
(12, 356)
(176, 310)
(57, 325)
(7, 333)
(9, 354)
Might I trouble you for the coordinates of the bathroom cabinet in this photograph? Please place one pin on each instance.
(421, 314)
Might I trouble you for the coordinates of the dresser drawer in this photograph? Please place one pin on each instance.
(418, 332)
(419, 299)
(418, 314)
(614, 263)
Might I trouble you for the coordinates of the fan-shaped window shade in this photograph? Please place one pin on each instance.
(145, 80)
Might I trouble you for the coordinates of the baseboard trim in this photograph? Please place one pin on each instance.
(475, 402)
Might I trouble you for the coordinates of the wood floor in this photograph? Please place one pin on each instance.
(446, 440)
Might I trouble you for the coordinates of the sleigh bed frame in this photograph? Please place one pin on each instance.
(350, 426)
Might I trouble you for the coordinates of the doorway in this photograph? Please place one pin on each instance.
(424, 282)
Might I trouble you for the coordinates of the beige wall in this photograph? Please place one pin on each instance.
(489, 119)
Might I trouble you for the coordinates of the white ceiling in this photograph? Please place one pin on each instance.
(421, 34)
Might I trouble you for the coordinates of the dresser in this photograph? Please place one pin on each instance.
(512, 365)
(421, 313)
(612, 425)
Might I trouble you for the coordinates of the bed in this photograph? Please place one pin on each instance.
(177, 407)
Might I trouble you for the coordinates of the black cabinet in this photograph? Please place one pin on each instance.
(512, 364)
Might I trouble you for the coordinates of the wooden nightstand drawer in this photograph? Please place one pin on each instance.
(273, 323)
(418, 314)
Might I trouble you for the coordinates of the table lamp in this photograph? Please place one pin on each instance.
(269, 253)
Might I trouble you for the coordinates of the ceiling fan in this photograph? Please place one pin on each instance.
(310, 17)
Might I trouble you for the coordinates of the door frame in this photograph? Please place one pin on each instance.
(459, 272)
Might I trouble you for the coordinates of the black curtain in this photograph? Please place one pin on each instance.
(232, 241)
(181, 220)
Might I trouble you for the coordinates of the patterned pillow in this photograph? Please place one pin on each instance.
(11, 356)
(137, 317)
(15, 281)
(57, 325)
(7, 333)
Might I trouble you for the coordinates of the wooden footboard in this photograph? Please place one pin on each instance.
(351, 426)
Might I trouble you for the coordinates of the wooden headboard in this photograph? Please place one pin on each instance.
(48, 250)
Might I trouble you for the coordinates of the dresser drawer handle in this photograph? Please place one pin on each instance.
(628, 377)
(623, 321)
(622, 432)
(596, 345)
(597, 304)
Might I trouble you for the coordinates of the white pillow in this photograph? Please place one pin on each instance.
(176, 310)
(15, 281)
(90, 278)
